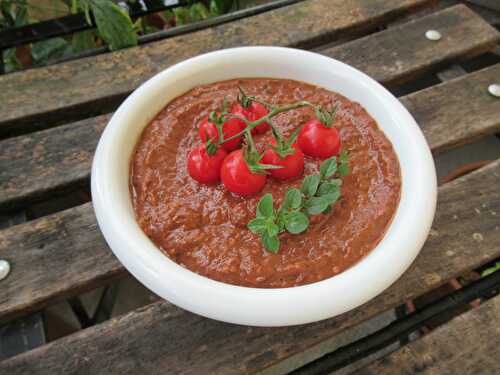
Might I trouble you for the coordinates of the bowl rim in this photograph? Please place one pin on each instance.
(258, 306)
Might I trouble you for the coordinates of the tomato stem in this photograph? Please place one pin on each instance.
(275, 111)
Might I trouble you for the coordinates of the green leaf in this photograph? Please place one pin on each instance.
(10, 60)
(315, 205)
(220, 6)
(331, 198)
(83, 41)
(181, 16)
(271, 243)
(344, 156)
(114, 24)
(344, 163)
(47, 49)
(344, 170)
(328, 187)
(489, 271)
(272, 229)
(169, 16)
(198, 12)
(296, 222)
(327, 210)
(258, 225)
(328, 167)
(310, 185)
(293, 199)
(265, 206)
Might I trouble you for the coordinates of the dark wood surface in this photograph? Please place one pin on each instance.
(41, 163)
(96, 85)
(403, 52)
(61, 264)
(161, 338)
(469, 344)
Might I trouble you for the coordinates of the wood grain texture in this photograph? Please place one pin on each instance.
(91, 86)
(57, 253)
(161, 338)
(41, 163)
(469, 344)
(402, 52)
(458, 111)
(44, 163)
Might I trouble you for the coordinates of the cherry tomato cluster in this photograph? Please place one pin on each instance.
(244, 171)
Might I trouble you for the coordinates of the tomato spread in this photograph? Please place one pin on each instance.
(204, 228)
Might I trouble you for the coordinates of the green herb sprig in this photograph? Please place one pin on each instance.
(317, 194)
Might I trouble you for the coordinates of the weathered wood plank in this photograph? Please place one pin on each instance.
(469, 344)
(160, 337)
(402, 52)
(36, 165)
(457, 112)
(91, 86)
(46, 162)
(56, 253)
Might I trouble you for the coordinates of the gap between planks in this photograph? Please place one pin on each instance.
(470, 343)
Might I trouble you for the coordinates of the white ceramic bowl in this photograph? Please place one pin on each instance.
(252, 306)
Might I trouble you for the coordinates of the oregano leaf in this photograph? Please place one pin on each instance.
(328, 187)
(272, 229)
(344, 156)
(328, 167)
(296, 222)
(271, 243)
(265, 206)
(331, 198)
(344, 170)
(315, 205)
(257, 225)
(310, 185)
(292, 200)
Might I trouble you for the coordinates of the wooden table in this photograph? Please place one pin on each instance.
(52, 117)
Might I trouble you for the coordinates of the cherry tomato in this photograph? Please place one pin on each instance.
(238, 178)
(254, 112)
(319, 141)
(203, 167)
(229, 128)
(293, 165)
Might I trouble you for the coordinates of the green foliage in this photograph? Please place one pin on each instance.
(113, 23)
(49, 49)
(83, 41)
(113, 26)
(490, 270)
(316, 196)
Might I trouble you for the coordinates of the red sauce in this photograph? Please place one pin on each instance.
(203, 228)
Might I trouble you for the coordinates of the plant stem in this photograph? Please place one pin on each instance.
(275, 111)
